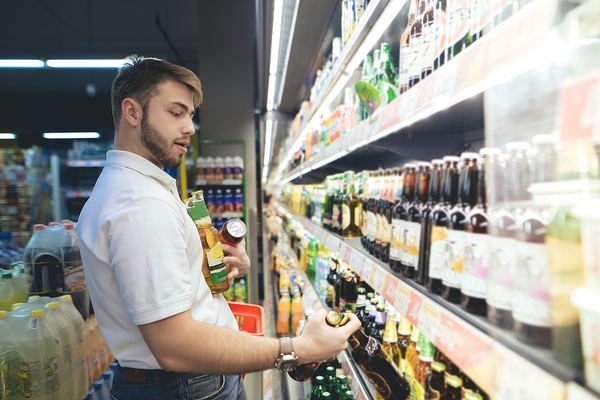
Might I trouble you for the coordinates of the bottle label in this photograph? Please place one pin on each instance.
(416, 48)
(387, 231)
(428, 45)
(39, 274)
(412, 238)
(460, 19)
(531, 297)
(218, 275)
(345, 216)
(409, 374)
(419, 391)
(357, 215)
(379, 230)
(31, 373)
(404, 64)
(372, 225)
(397, 247)
(439, 252)
(440, 23)
(455, 258)
(336, 215)
(473, 280)
(365, 218)
(51, 372)
(10, 365)
(72, 278)
(501, 277)
(218, 270)
(482, 15)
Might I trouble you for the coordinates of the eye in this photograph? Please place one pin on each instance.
(176, 114)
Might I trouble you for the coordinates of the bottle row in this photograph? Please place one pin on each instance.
(224, 201)
(218, 168)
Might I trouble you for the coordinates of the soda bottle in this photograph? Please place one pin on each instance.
(297, 312)
(318, 389)
(71, 276)
(41, 262)
(79, 362)
(312, 252)
(412, 236)
(283, 314)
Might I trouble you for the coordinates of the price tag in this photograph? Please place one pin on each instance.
(356, 262)
(372, 274)
(445, 82)
(415, 302)
(429, 321)
(407, 107)
(389, 289)
(345, 252)
(518, 384)
(389, 114)
(402, 298)
(579, 110)
(379, 279)
(367, 267)
(332, 243)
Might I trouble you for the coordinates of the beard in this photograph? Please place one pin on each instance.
(156, 144)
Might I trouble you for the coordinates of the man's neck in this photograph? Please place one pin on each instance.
(124, 142)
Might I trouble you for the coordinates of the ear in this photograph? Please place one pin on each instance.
(132, 112)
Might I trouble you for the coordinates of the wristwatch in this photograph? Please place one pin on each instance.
(287, 360)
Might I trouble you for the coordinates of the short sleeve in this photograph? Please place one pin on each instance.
(148, 255)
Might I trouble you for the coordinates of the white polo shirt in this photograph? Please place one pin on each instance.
(142, 257)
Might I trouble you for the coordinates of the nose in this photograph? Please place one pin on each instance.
(188, 129)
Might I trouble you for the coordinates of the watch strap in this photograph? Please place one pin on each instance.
(285, 345)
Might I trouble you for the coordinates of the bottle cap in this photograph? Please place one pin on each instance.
(106, 375)
(349, 395)
(33, 298)
(66, 221)
(342, 379)
(488, 151)
(473, 396)
(451, 159)
(69, 226)
(66, 297)
(53, 224)
(343, 320)
(409, 166)
(39, 227)
(37, 313)
(98, 385)
(518, 146)
(454, 381)
(326, 396)
(437, 161)
(333, 318)
(319, 380)
(16, 306)
(113, 366)
(52, 306)
(3, 314)
(438, 366)
(7, 275)
(330, 371)
(424, 164)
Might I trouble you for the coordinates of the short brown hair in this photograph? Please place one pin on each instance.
(139, 77)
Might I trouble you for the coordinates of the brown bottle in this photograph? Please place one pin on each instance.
(453, 388)
(387, 214)
(380, 211)
(436, 382)
(397, 250)
(404, 331)
(412, 237)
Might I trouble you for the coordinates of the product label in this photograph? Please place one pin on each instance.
(218, 275)
(453, 270)
(10, 381)
(440, 253)
(372, 225)
(215, 256)
(440, 23)
(80, 347)
(357, 215)
(72, 278)
(387, 231)
(379, 229)
(412, 238)
(482, 15)
(404, 64)
(365, 218)
(345, 216)
(32, 374)
(34, 323)
(397, 247)
(68, 356)
(460, 19)
(501, 277)
(428, 45)
(531, 297)
(51, 373)
(40, 273)
(409, 374)
(473, 280)
(416, 48)
(336, 216)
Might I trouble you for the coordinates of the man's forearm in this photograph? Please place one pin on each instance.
(181, 344)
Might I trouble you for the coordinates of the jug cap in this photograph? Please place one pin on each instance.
(3, 314)
(53, 224)
(68, 226)
(66, 297)
(52, 306)
(7, 275)
(16, 306)
(39, 227)
(37, 313)
(33, 298)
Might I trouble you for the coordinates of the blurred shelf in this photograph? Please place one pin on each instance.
(75, 194)
(499, 363)
(227, 215)
(86, 163)
(514, 47)
(224, 182)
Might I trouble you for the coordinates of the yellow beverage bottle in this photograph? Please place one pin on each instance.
(66, 337)
(80, 370)
(297, 312)
(283, 314)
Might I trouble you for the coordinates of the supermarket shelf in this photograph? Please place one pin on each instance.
(516, 46)
(500, 364)
(224, 182)
(75, 194)
(344, 67)
(86, 163)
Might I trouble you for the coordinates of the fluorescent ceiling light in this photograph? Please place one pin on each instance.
(271, 93)
(21, 64)
(114, 63)
(276, 36)
(7, 136)
(71, 135)
(268, 140)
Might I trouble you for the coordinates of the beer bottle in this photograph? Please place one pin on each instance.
(377, 329)
(433, 197)
(372, 317)
(428, 35)
(386, 78)
(412, 236)
(459, 27)
(473, 396)
(352, 283)
(441, 36)
(436, 385)
(368, 176)
(467, 197)
(389, 209)
(318, 389)
(193, 213)
(330, 384)
(390, 340)
(405, 50)
(477, 253)
(424, 368)
(372, 224)
(360, 188)
(361, 304)
(351, 213)
(331, 280)
(416, 46)
(338, 285)
(379, 208)
(367, 75)
(439, 257)
(327, 204)
(342, 388)
(213, 252)
(404, 331)
(503, 228)
(453, 388)
(399, 215)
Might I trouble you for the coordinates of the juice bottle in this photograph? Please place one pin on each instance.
(10, 359)
(399, 217)
(8, 295)
(473, 280)
(283, 314)
(440, 250)
(79, 365)
(297, 312)
(66, 337)
(412, 236)
(467, 198)
(433, 197)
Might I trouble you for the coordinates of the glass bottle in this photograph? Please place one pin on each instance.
(372, 208)
(386, 78)
(428, 35)
(416, 46)
(477, 254)
(318, 389)
(380, 322)
(459, 27)
(351, 214)
(411, 352)
(343, 182)
(370, 326)
(352, 284)
(360, 310)
(440, 250)
(467, 197)
(330, 384)
(332, 278)
(379, 211)
(503, 229)
(424, 368)
(365, 206)
(440, 21)
(436, 385)
(404, 335)
(399, 215)
(412, 236)
(193, 213)
(453, 388)
(389, 209)
(433, 197)
(405, 51)
(390, 340)
(367, 76)
(342, 388)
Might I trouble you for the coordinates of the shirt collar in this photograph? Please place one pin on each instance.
(138, 163)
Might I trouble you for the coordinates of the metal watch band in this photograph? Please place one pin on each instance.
(285, 346)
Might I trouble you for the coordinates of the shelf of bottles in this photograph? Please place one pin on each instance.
(500, 365)
(518, 44)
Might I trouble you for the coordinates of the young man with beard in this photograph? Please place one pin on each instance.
(143, 259)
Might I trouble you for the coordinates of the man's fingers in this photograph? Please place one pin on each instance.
(351, 326)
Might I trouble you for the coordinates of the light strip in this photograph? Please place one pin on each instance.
(276, 36)
(268, 139)
(71, 135)
(271, 93)
(21, 63)
(114, 63)
(7, 136)
(289, 50)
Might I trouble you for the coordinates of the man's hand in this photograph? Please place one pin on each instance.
(238, 263)
(320, 341)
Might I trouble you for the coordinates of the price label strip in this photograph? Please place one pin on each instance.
(429, 321)
(356, 262)
(415, 303)
(402, 299)
(372, 274)
(379, 279)
(389, 289)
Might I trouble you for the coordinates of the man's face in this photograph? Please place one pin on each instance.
(167, 124)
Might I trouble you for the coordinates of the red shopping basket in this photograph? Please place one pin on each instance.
(250, 317)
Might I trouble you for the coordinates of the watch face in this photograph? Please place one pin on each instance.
(287, 363)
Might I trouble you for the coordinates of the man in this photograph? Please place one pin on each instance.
(143, 259)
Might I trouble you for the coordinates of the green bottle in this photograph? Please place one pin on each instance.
(318, 389)
(326, 396)
(312, 253)
(331, 382)
(459, 32)
(343, 387)
(386, 76)
(349, 395)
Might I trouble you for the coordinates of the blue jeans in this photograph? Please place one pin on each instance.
(159, 385)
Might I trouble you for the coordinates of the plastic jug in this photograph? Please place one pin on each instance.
(41, 261)
(66, 336)
(79, 360)
(7, 292)
(71, 277)
(283, 314)
(10, 360)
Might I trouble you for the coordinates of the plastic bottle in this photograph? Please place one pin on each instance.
(10, 380)
(71, 277)
(312, 252)
(238, 169)
(219, 168)
(7, 292)
(201, 169)
(113, 368)
(20, 283)
(104, 355)
(79, 362)
(228, 169)
(92, 353)
(107, 378)
(283, 315)
(100, 390)
(210, 168)
(48, 352)
(239, 200)
(66, 336)
(297, 312)
(41, 261)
